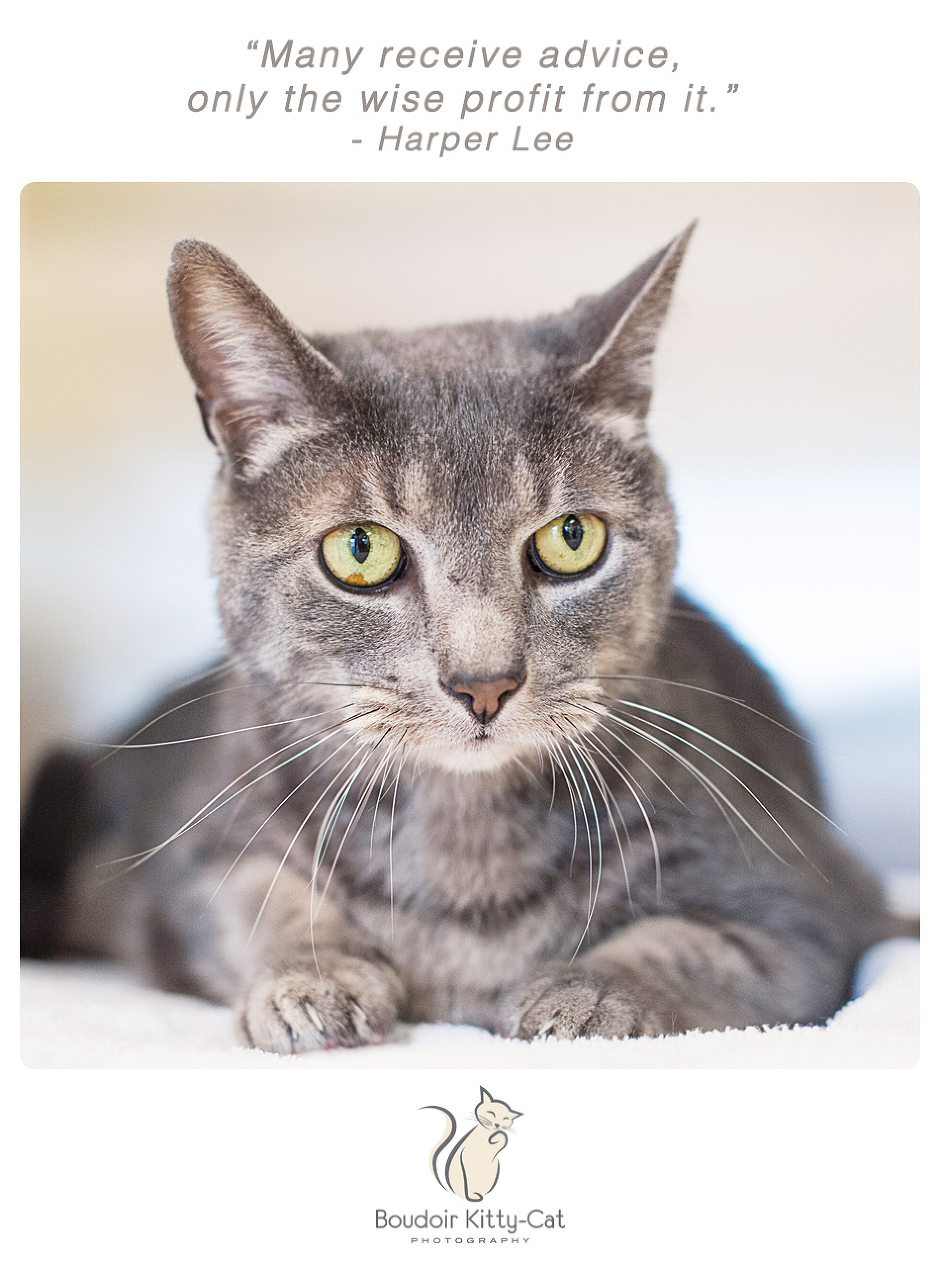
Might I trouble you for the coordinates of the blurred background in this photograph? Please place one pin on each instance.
(785, 406)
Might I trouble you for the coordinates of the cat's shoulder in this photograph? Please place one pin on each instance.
(698, 651)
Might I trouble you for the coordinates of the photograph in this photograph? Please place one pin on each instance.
(470, 625)
(475, 540)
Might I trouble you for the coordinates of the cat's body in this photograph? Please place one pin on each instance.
(471, 1169)
(482, 788)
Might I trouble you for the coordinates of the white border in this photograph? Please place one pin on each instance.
(223, 1165)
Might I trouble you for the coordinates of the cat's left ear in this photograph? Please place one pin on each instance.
(619, 332)
(485, 1098)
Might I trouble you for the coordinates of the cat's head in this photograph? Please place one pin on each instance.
(493, 1114)
(463, 527)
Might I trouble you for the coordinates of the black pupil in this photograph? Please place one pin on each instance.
(359, 545)
(572, 532)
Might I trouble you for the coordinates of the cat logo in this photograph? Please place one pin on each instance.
(472, 1167)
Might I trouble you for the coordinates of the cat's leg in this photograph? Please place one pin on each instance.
(469, 1191)
(294, 986)
(666, 974)
(479, 1166)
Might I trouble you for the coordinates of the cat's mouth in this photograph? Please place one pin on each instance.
(482, 753)
(455, 741)
(485, 749)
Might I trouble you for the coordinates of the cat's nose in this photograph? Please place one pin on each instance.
(483, 697)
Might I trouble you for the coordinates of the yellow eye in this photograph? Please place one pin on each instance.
(570, 543)
(363, 556)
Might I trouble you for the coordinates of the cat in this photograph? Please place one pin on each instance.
(470, 758)
(472, 1168)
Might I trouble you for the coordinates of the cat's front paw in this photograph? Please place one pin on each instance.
(572, 1005)
(347, 1003)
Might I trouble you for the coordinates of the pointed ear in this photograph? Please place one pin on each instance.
(485, 1097)
(259, 382)
(616, 336)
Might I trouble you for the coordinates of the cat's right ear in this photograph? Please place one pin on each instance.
(615, 336)
(259, 382)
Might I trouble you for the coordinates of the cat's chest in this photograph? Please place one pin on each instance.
(468, 894)
(458, 964)
(481, 1145)
(455, 972)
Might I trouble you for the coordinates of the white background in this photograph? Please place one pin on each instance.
(719, 1163)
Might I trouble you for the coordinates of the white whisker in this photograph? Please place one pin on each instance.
(703, 779)
(657, 865)
(609, 799)
(290, 846)
(208, 809)
(731, 750)
(698, 688)
(705, 755)
(391, 834)
(352, 820)
(595, 894)
(572, 790)
(354, 817)
(271, 815)
(386, 766)
(231, 732)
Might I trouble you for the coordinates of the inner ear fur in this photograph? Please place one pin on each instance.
(616, 338)
(259, 382)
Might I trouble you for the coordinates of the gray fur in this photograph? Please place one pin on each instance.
(560, 869)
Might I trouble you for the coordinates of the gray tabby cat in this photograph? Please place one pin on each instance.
(471, 758)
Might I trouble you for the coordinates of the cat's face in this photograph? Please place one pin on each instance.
(456, 532)
(494, 1115)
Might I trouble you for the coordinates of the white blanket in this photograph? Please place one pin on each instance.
(91, 1016)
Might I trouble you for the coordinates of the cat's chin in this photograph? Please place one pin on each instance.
(470, 758)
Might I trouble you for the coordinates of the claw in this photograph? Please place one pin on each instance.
(360, 1022)
(314, 1016)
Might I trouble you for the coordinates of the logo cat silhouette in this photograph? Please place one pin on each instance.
(472, 1168)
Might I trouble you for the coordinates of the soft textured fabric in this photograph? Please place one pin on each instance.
(96, 1016)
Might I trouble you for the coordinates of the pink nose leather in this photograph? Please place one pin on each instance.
(485, 696)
